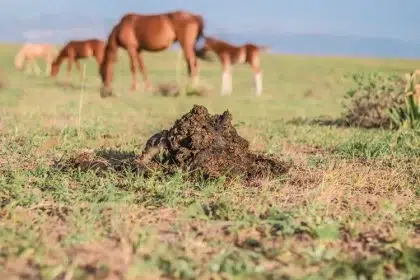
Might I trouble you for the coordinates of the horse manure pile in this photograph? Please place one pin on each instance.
(199, 143)
(206, 145)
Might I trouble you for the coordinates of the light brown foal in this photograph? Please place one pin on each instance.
(229, 55)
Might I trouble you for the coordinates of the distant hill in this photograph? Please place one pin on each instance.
(80, 27)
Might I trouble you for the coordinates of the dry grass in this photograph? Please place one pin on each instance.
(72, 207)
(3, 79)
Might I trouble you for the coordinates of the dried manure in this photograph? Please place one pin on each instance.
(207, 145)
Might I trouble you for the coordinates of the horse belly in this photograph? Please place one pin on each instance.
(241, 58)
(156, 45)
(88, 52)
(158, 38)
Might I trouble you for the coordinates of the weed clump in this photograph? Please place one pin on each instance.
(367, 104)
(207, 145)
(409, 115)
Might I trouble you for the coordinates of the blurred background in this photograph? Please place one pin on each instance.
(380, 28)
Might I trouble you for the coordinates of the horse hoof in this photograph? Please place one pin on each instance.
(148, 88)
(104, 92)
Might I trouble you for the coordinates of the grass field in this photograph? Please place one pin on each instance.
(348, 208)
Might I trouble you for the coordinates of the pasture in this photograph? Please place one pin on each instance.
(349, 205)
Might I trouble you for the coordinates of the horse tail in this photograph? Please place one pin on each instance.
(20, 59)
(200, 53)
(201, 27)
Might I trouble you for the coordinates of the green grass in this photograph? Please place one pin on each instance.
(348, 207)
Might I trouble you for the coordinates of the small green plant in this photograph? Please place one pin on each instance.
(367, 103)
(408, 116)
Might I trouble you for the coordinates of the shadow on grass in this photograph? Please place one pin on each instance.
(321, 121)
(337, 122)
(48, 82)
(100, 161)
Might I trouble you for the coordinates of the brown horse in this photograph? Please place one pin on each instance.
(28, 54)
(229, 55)
(153, 33)
(75, 50)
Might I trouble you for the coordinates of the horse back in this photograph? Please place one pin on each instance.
(84, 48)
(153, 24)
(151, 32)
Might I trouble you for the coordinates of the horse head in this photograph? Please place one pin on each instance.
(204, 51)
(55, 67)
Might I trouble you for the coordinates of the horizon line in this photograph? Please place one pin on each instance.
(273, 51)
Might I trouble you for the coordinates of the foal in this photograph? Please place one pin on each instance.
(28, 54)
(75, 50)
(229, 55)
(154, 33)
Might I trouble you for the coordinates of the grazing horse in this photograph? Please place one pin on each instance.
(229, 55)
(28, 54)
(75, 50)
(151, 32)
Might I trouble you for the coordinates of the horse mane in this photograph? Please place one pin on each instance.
(111, 50)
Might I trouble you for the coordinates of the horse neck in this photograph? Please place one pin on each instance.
(217, 46)
(61, 56)
(110, 56)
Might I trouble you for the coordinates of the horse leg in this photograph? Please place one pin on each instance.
(195, 77)
(48, 67)
(27, 66)
(188, 49)
(197, 66)
(36, 67)
(226, 88)
(134, 59)
(79, 68)
(257, 80)
(146, 81)
(69, 64)
(255, 65)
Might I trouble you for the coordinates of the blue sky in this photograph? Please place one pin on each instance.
(368, 18)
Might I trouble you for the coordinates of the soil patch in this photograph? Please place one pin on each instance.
(100, 160)
(209, 146)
